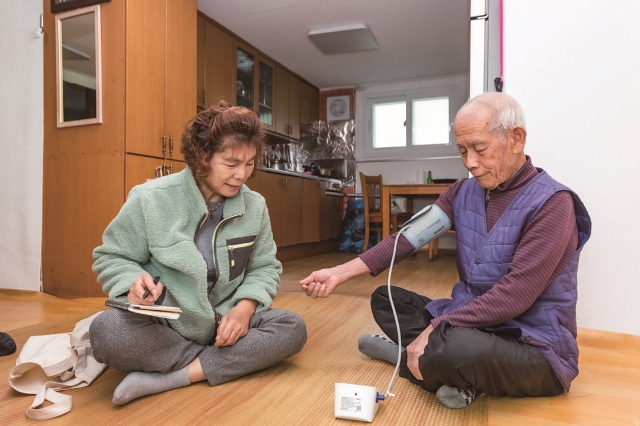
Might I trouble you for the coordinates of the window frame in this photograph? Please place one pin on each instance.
(452, 88)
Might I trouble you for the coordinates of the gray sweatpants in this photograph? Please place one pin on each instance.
(131, 342)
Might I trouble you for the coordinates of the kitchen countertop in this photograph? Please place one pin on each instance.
(296, 174)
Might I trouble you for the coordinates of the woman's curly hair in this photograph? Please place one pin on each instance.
(214, 130)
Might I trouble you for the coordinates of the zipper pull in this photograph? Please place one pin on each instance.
(233, 261)
(486, 198)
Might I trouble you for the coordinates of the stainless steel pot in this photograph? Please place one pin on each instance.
(325, 172)
(279, 165)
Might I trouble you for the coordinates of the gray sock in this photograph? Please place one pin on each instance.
(455, 398)
(139, 384)
(378, 347)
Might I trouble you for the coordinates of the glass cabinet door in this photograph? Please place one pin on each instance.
(244, 81)
(265, 99)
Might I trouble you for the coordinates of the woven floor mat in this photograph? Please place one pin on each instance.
(297, 391)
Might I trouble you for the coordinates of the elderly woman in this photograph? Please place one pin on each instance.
(208, 238)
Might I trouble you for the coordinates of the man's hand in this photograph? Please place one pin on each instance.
(415, 350)
(139, 286)
(235, 323)
(322, 283)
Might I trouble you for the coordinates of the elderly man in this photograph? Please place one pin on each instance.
(509, 328)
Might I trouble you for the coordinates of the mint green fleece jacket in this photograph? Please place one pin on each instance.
(154, 233)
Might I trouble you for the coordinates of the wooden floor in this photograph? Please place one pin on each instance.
(607, 391)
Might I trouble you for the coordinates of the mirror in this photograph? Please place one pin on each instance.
(78, 65)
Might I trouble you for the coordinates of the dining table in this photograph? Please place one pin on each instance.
(409, 192)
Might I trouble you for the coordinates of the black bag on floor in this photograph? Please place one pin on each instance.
(7, 344)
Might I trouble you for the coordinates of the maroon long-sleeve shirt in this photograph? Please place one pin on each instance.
(548, 243)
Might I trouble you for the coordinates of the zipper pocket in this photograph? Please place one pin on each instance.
(237, 246)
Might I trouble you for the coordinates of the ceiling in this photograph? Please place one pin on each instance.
(416, 38)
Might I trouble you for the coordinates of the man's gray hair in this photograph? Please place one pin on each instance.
(507, 112)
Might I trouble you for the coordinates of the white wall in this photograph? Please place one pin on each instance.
(575, 68)
(21, 114)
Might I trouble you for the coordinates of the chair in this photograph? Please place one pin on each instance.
(372, 212)
(433, 247)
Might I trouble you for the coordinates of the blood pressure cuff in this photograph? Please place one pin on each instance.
(426, 225)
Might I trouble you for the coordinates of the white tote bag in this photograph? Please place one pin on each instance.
(54, 362)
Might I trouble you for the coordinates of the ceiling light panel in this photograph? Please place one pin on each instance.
(343, 39)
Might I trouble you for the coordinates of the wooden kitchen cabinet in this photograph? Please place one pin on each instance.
(265, 99)
(287, 104)
(245, 68)
(255, 78)
(228, 68)
(293, 207)
(270, 185)
(139, 169)
(216, 79)
(313, 191)
(299, 208)
(284, 197)
(309, 105)
(330, 216)
(149, 91)
(160, 62)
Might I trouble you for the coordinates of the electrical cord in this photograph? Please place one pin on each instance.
(395, 316)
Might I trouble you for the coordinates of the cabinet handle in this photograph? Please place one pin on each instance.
(164, 144)
(171, 146)
(284, 184)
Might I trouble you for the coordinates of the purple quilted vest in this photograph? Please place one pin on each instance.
(483, 258)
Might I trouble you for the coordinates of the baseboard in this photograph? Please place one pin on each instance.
(300, 251)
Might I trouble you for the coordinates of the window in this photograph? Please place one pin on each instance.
(388, 122)
(410, 121)
(430, 121)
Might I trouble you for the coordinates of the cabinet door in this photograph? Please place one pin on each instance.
(200, 77)
(145, 77)
(294, 107)
(331, 217)
(287, 104)
(282, 101)
(309, 105)
(181, 62)
(245, 75)
(313, 190)
(139, 169)
(270, 186)
(292, 211)
(219, 69)
(265, 81)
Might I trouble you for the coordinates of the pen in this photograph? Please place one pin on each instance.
(155, 281)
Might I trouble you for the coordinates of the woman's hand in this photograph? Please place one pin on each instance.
(235, 323)
(415, 350)
(322, 283)
(140, 285)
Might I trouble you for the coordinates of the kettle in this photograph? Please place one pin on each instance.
(280, 165)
